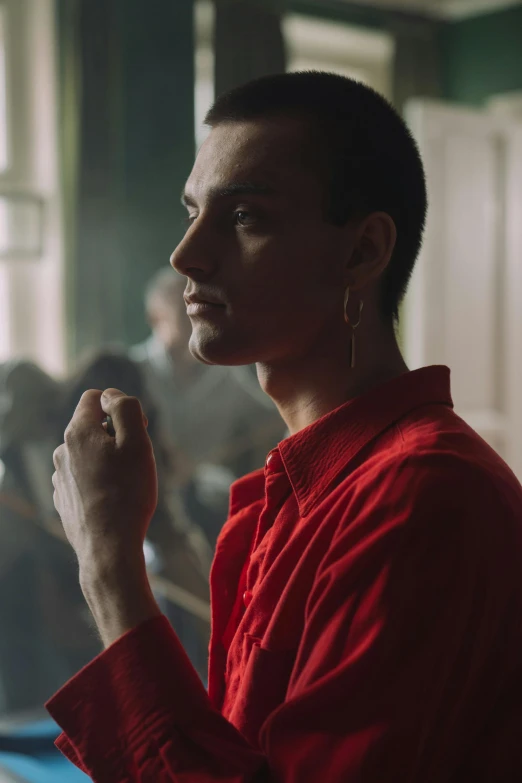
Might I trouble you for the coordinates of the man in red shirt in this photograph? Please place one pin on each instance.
(367, 587)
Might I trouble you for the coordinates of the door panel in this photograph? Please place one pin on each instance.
(463, 307)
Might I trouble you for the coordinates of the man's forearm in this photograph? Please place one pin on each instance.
(119, 597)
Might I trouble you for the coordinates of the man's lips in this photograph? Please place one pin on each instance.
(193, 299)
(200, 308)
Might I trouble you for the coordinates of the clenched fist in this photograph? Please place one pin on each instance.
(105, 488)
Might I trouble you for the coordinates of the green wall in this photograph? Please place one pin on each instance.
(482, 56)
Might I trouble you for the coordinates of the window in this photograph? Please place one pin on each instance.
(31, 252)
(365, 55)
(20, 226)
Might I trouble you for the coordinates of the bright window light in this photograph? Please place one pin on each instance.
(316, 45)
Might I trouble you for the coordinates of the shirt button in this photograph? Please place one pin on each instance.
(274, 463)
(247, 598)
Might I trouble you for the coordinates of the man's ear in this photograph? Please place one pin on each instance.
(375, 240)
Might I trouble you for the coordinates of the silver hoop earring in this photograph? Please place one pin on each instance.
(353, 326)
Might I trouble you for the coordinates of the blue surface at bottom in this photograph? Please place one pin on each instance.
(29, 752)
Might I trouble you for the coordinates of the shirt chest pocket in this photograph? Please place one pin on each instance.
(262, 687)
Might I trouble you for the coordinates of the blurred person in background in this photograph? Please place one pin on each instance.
(221, 425)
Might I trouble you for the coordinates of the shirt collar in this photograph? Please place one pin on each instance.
(315, 455)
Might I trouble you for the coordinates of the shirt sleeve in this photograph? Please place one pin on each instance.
(139, 712)
(410, 655)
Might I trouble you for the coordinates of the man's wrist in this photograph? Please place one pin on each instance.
(118, 593)
(103, 567)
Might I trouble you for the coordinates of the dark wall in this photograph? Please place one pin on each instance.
(483, 56)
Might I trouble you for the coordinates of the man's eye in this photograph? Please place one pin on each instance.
(189, 220)
(242, 218)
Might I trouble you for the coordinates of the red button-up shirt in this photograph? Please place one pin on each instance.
(366, 619)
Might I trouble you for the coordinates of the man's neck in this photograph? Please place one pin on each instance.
(311, 386)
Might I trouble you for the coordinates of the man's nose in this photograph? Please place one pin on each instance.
(194, 256)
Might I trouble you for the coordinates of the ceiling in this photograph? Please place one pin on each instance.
(445, 9)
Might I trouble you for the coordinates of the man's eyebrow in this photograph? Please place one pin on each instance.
(234, 189)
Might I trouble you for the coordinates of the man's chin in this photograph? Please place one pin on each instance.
(217, 349)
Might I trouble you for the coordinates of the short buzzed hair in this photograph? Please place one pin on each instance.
(368, 157)
(166, 284)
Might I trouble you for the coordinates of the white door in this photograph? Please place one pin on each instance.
(464, 307)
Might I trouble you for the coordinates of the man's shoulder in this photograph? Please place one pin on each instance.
(422, 500)
(447, 469)
(448, 449)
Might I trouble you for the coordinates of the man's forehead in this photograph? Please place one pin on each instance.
(260, 152)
